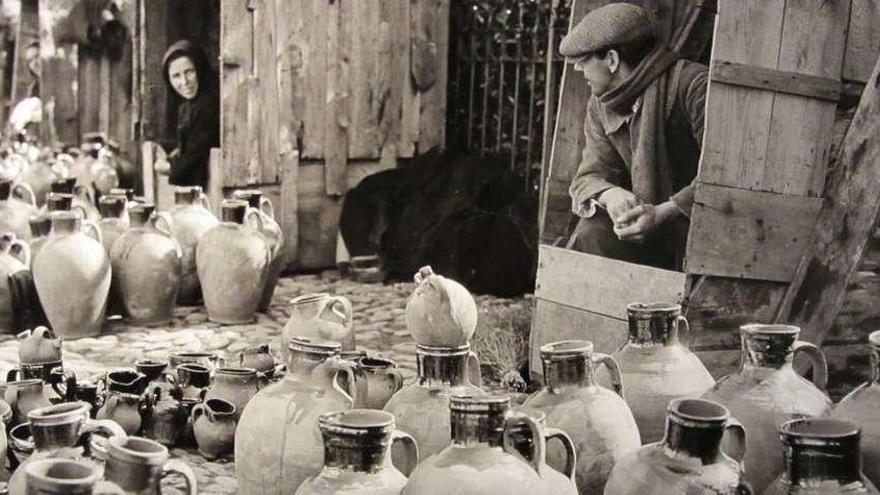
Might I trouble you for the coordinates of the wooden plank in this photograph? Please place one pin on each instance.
(57, 89)
(216, 179)
(88, 92)
(317, 61)
(238, 95)
(846, 222)
(776, 80)
(393, 73)
(266, 69)
(862, 40)
(602, 285)
(290, 35)
(409, 111)
(153, 42)
(434, 31)
(748, 234)
(27, 33)
(554, 322)
(288, 207)
(337, 123)
(366, 89)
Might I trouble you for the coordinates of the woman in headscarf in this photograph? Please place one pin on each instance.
(188, 73)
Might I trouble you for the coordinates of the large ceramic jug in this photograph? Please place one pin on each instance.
(767, 392)
(58, 431)
(656, 367)
(274, 236)
(320, 316)
(72, 276)
(689, 459)
(192, 218)
(236, 385)
(357, 455)
(83, 198)
(598, 420)
(861, 406)
(483, 458)
(147, 267)
(440, 312)
(822, 457)
(278, 443)
(40, 226)
(233, 262)
(138, 466)
(422, 408)
(114, 219)
(14, 212)
(15, 256)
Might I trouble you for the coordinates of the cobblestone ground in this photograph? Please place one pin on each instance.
(378, 318)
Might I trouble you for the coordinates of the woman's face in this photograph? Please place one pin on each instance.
(183, 77)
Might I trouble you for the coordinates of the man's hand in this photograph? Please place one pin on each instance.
(617, 201)
(637, 223)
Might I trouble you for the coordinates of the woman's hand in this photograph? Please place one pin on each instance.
(639, 222)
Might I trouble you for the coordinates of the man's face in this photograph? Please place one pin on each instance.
(597, 71)
(182, 74)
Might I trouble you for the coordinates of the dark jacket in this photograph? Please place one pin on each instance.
(198, 120)
(611, 139)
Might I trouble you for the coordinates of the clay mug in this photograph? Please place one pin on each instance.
(38, 346)
(54, 476)
(138, 465)
(383, 380)
(193, 380)
(214, 427)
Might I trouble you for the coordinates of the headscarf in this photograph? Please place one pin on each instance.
(186, 48)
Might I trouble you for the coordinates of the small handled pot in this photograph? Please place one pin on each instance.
(346, 372)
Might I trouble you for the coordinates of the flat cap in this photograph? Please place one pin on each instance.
(615, 24)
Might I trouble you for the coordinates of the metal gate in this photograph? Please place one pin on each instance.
(502, 83)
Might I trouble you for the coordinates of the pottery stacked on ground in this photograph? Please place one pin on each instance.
(272, 231)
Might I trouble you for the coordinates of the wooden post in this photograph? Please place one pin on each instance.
(27, 33)
(846, 221)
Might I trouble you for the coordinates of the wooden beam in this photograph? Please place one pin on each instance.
(337, 121)
(862, 40)
(846, 222)
(28, 32)
(775, 80)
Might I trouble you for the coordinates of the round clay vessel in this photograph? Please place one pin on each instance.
(147, 267)
(214, 427)
(126, 410)
(383, 380)
(767, 391)
(267, 462)
(688, 459)
(822, 457)
(598, 420)
(233, 262)
(656, 367)
(440, 312)
(192, 218)
(72, 276)
(860, 406)
(38, 346)
(320, 316)
(357, 455)
(236, 385)
(138, 465)
(15, 257)
(272, 231)
(23, 396)
(14, 213)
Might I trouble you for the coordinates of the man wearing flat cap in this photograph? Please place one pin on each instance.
(633, 188)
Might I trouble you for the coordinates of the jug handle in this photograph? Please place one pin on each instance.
(817, 359)
(267, 207)
(347, 313)
(96, 231)
(26, 191)
(163, 217)
(197, 411)
(13, 375)
(83, 193)
(735, 435)
(205, 201)
(397, 377)
(475, 374)
(253, 213)
(613, 371)
(69, 380)
(681, 321)
(176, 466)
(357, 387)
(411, 452)
(570, 451)
(539, 445)
(82, 211)
(23, 251)
(99, 444)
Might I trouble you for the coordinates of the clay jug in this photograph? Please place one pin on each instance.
(655, 366)
(440, 312)
(598, 420)
(236, 385)
(38, 346)
(382, 378)
(24, 396)
(214, 427)
(258, 358)
(146, 267)
(860, 406)
(688, 459)
(82, 197)
(138, 466)
(40, 227)
(422, 408)
(15, 257)
(233, 261)
(320, 316)
(357, 455)
(269, 463)
(65, 477)
(193, 381)
(192, 218)
(155, 371)
(822, 457)
(14, 212)
(114, 219)
(58, 431)
(767, 391)
(482, 457)
(166, 419)
(72, 276)
(126, 410)
(272, 231)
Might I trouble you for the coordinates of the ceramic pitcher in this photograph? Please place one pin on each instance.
(66, 477)
(272, 231)
(767, 391)
(321, 316)
(357, 455)
(236, 385)
(655, 366)
(15, 257)
(214, 427)
(192, 218)
(14, 212)
(382, 378)
(138, 466)
(440, 312)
